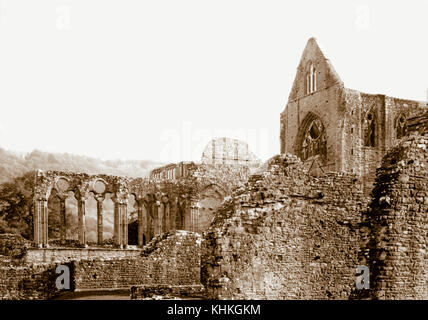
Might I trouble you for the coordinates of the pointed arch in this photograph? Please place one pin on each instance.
(311, 138)
(370, 129)
(400, 126)
(311, 78)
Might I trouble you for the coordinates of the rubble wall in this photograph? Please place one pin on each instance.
(170, 259)
(285, 235)
(394, 229)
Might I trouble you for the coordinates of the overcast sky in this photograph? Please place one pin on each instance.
(158, 79)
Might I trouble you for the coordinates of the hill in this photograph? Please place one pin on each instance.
(14, 165)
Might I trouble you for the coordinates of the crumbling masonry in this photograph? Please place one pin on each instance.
(350, 188)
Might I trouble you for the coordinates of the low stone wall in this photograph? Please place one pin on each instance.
(26, 281)
(53, 255)
(285, 235)
(171, 259)
(168, 261)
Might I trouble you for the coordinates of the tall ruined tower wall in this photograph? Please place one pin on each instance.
(394, 230)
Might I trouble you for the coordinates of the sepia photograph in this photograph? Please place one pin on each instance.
(206, 157)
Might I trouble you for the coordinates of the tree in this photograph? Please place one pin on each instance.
(16, 204)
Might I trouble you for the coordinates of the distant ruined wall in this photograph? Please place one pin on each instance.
(228, 151)
(394, 229)
(285, 235)
(163, 204)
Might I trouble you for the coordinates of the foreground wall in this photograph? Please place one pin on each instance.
(395, 228)
(172, 259)
(285, 235)
(169, 261)
(20, 281)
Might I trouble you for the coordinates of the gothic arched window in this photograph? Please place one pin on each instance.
(312, 138)
(311, 79)
(400, 126)
(370, 128)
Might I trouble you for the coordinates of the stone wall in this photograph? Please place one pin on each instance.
(168, 262)
(162, 204)
(344, 116)
(229, 151)
(52, 255)
(172, 259)
(285, 235)
(20, 281)
(158, 292)
(394, 229)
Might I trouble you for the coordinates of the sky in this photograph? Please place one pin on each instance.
(138, 79)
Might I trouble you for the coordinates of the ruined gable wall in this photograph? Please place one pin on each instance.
(285, 235)
(325, 73)
(326, 104)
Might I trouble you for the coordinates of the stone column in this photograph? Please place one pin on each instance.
(124, 214)
(161, 207)
(63, 219)
(40, 222)
(181, 218)
(117, 229)
(120, 221)
(36, 222)
(173, 214)
(99, 199)
(155, 216)
(81, 211)
(150, 221)
(194, 216)
(166, 217)
(187, 215)
(140, 223)
(45, 222)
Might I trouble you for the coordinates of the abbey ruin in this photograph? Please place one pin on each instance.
(349, 188)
